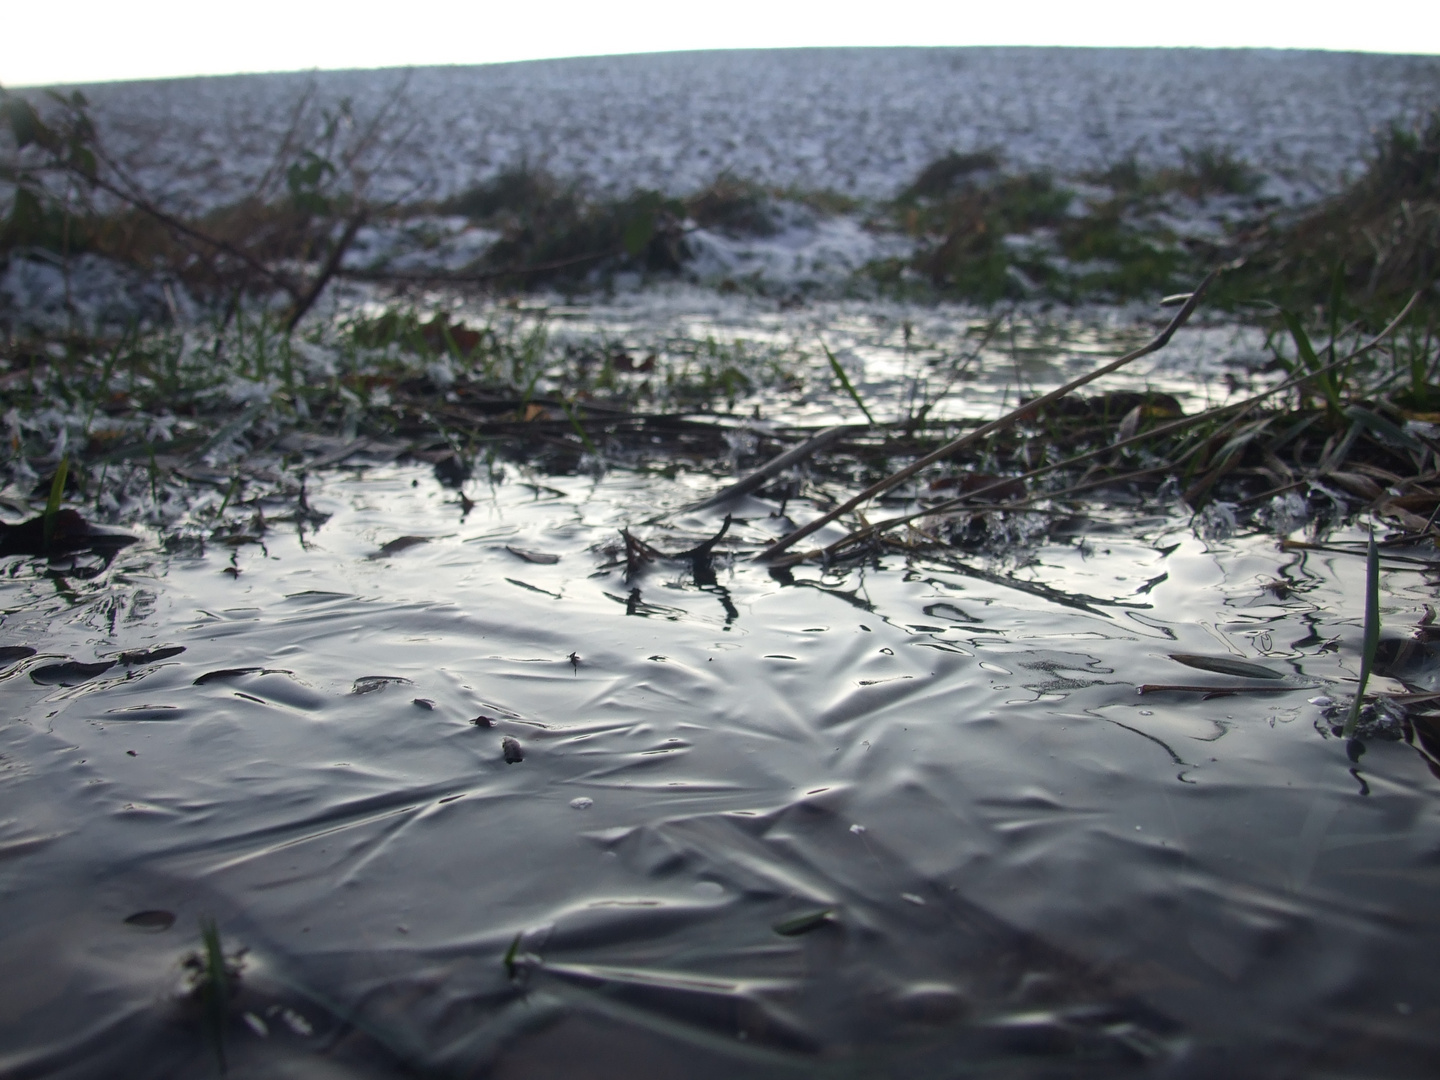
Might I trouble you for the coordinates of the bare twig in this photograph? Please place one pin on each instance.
(306, 301)
(287, 142)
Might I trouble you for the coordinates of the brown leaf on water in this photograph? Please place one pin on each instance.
(68, 533)
(1222, 690)
(1416, 501)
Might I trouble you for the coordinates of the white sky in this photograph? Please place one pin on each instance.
(100, 40)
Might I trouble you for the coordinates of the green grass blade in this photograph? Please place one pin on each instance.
(1372, 630)
(52, 504)
(574, 423)
(1326, 382)
(510, 960)
(845, 381)
(215, 989)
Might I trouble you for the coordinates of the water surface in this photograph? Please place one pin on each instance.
(906, 818)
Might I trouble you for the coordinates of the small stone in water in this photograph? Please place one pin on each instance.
(582, 803)
(423, 702)
(483, 721)
(511, 747)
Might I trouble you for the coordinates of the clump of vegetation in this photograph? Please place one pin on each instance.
(1379, 237)
(734, 206)
(951, 172)
(558, 232)
(1202, 173)
(551, 231)
(965, 216)
(134, 421)
(984, 234)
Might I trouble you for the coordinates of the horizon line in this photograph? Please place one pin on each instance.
(432, 65)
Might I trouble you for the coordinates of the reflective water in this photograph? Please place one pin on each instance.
(484, 805)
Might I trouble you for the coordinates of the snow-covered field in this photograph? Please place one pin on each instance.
(860, 121)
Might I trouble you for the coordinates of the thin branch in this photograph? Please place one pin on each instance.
(305, 302)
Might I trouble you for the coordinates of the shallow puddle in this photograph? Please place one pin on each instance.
(479, 803)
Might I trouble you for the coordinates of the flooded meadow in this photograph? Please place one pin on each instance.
(886, 564)
(471, 777)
